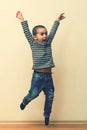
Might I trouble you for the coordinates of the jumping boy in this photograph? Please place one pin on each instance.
(40, 43)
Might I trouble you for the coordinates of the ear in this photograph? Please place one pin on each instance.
(35, 37)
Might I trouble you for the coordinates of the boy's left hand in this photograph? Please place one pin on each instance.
(61, 17)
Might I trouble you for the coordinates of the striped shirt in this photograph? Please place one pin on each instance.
(41, 52)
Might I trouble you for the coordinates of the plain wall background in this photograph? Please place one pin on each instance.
(70, 57)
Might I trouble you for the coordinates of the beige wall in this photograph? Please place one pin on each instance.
(70, 56)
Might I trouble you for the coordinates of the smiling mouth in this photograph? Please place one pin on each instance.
(45, 40)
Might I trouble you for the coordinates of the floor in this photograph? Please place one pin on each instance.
(43, 127)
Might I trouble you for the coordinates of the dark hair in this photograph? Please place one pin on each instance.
(34, 30)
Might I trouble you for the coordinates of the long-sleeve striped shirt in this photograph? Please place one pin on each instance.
(41, 52)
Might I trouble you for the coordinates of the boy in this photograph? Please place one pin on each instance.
(40, 43)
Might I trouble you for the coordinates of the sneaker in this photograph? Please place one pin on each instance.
(46, 121)
(22, 106)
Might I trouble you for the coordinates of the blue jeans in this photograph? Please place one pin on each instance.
(41, 82)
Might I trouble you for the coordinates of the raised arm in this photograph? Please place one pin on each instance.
(25, 27)
(55, 27)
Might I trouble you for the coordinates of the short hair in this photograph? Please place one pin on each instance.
(34, 30)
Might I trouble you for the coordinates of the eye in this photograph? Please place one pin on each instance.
(43, 33)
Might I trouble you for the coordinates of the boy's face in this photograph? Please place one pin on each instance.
(41, 35)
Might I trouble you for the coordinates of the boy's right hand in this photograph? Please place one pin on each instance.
(19, 16)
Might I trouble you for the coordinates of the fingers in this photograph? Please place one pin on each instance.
(61, 16)
(18, 12)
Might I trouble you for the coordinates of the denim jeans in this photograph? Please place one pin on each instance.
(41, 82)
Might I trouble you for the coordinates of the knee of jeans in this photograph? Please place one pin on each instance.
(34, 93)
(50, 95)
